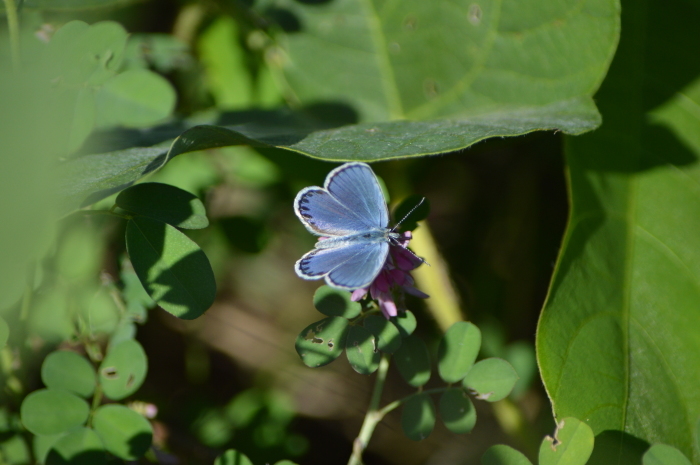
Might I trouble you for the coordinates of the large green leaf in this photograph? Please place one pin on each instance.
(423, 60)
(617, 342)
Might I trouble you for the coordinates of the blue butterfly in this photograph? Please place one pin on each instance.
(350, 214)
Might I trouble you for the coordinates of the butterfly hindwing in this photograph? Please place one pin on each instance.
(350, 266)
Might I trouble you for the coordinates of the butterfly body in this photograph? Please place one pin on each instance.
(350, 214)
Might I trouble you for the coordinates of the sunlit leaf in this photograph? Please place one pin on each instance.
(123, 370)
(322, 342)
(53, 411)
(67, 370)
(361, 349)
(572, 444)
(125, 433)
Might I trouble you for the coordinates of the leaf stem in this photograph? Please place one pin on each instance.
(13, 28)
(373, 415)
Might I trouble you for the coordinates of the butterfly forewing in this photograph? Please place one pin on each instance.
(323, 214)
(355, 186)
(351, 266)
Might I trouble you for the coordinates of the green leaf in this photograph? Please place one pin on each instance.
(125, 433)
(405, 322)
(485, 56)
(82, 446)
(413, 361)
(165, 203)
(386, 333)
(172, 268)
(457, 351)
(521, 355)
(69, 5)
(14, 450)
(503, 455)
(53, 411)
(322, 342)
(662, 454)
(232, 457)
(285, 462)
(334, 302)
(418, 417)
(361, 349)
(492, 379)
(134, 98)
(123, 370)
(457, 411)
(617, 342)
(67, 370)
(90, 178)
(572, 444)
(4, 332)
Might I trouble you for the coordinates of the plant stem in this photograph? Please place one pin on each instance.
(13, 27)
(373, 415)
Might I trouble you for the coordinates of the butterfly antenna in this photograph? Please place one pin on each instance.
(408, 214)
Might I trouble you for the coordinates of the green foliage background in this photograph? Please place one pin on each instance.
(242, 104)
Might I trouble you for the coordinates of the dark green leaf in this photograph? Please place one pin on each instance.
(334, 302)
(361, 349)
(173, 269)
(69, 5)
(125, 433)
(93, 177)
(420, 206)
(503, 455)
(322, 342)
(418, 417)
(69, 371)
(661, 454)
(82, 446)
(232, 457)
(4, 332)
(53, 411)
(572, 444)
(405, 322)
(14, 450)
(134, 98)
(123, 370)
(492, 379)
(457, 411)
(166, 203)
(386, 333)
(457, 351)
(617, 341)
(413, 361)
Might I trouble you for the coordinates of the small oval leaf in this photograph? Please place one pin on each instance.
(418, 417)
(405, 322)
(124, 432)
(457, 411)
(361, 349)
(53, 411)
(457, 351)
(386, 333)
(334, 302)
(232, 457)
(663, 454)
(172, 268)
(413, 361)
(67, 370)
(491, 379)
(165, 203)
(322, 342)
(572, 444)
(503, 455)
(123, 370)
(82, 446)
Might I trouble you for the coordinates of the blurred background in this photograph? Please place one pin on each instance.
(232, 377)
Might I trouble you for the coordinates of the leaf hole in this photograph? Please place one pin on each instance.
(110, 373)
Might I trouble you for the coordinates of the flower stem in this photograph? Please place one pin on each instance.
(373, 415)
(13, 27)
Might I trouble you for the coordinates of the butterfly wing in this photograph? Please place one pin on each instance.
(351, 266)
(324, 215)
(355, 186)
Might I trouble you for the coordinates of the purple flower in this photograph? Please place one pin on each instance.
(394, 280)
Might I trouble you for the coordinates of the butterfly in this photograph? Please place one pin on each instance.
(350, 214)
